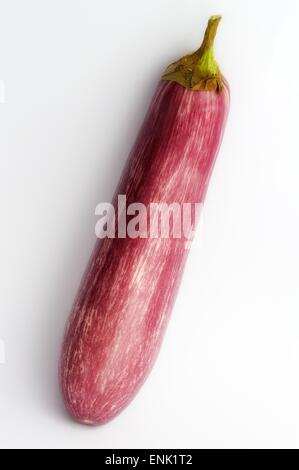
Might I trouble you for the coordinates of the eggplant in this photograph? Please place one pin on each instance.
(127, 293)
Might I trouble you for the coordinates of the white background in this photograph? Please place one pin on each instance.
(78, 78)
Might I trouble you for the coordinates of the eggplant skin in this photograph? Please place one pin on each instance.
(119, 317)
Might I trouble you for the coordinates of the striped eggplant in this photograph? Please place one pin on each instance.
(119, 317)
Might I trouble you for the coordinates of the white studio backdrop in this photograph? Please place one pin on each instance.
(76, 78)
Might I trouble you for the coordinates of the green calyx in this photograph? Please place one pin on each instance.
(198, 71)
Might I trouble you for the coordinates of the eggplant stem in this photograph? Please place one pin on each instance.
(198, 71)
